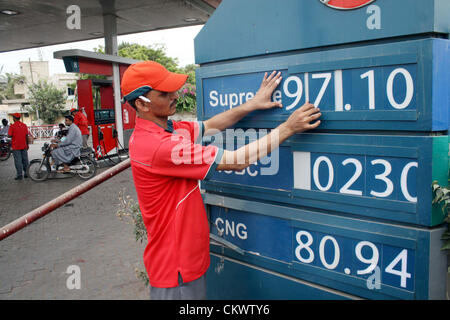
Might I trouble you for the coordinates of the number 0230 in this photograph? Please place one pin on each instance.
(383, 176)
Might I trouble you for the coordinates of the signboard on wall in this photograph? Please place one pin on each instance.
(386, 177)
(366, 258)
(346, 207)
(234, 31)
(398, 87)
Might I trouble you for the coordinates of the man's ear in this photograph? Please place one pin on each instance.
(141, 106)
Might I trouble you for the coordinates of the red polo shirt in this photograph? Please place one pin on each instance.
(166, 167)
(82, 122)
(18, 131)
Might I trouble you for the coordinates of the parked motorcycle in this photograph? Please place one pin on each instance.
(5, 148)
(84, 166)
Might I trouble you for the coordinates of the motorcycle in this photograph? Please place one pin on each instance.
(5, 148)
(84, 166)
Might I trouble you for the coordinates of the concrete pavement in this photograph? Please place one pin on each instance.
(85, 233)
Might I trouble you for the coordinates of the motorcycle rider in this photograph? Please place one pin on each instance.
(65, 151)
(5, 128)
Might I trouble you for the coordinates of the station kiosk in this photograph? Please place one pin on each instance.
(344, 211)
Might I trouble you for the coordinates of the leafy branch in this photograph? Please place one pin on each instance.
(442, 196)
(187, 100)
(130, 212)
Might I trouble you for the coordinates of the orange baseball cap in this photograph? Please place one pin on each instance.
(142, 77)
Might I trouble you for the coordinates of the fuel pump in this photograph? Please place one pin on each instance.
(96, 99)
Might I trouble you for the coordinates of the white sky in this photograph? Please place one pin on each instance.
(179, 44)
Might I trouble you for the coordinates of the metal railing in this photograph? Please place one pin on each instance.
(42, 132)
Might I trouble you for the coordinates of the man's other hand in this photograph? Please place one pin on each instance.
(304, 118)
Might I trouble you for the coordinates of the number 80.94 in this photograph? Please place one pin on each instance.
(304, 253)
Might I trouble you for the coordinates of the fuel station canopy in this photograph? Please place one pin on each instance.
(35, 23)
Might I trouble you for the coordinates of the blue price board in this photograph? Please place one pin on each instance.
(236, 31)
(386, 177)
(401, 86)
(260, 284)
(365, 258)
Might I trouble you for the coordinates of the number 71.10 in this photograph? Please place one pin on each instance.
(304, 86)
(305, 254)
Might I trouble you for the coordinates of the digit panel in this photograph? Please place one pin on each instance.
(363, 258)
(260, 284)
(396, 87)
(384, 177)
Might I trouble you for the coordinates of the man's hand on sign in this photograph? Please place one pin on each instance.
(263, 97)
(303, 119)
(262, 100)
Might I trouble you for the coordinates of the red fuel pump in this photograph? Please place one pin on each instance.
(96, 99)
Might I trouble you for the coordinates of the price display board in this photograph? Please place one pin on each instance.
(393, 87)
(386, 177)
(235, 31)
(365, 258)
(260, 284)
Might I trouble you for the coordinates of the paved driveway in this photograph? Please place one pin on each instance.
(84, 233)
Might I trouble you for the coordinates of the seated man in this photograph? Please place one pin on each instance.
(5, 128)
(68, 149)
(60, 133)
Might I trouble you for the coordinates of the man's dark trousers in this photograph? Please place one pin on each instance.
(20, 161)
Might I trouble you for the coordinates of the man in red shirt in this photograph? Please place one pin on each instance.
(167, 164)
(18, 132)
(82, 123)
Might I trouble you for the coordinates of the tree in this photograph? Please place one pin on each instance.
(7, 86)
(157, 52)
(190, 71)
(46, 101)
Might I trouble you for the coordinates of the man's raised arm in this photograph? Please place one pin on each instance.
(302, 119)
(261, 101)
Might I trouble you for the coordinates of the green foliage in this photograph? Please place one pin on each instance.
(142, 275)
(187, 101)
(130, 212)
(157, 52)
(47, 101)
(190, 71)
(442, 196)
(7, 87)
(88, 76)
